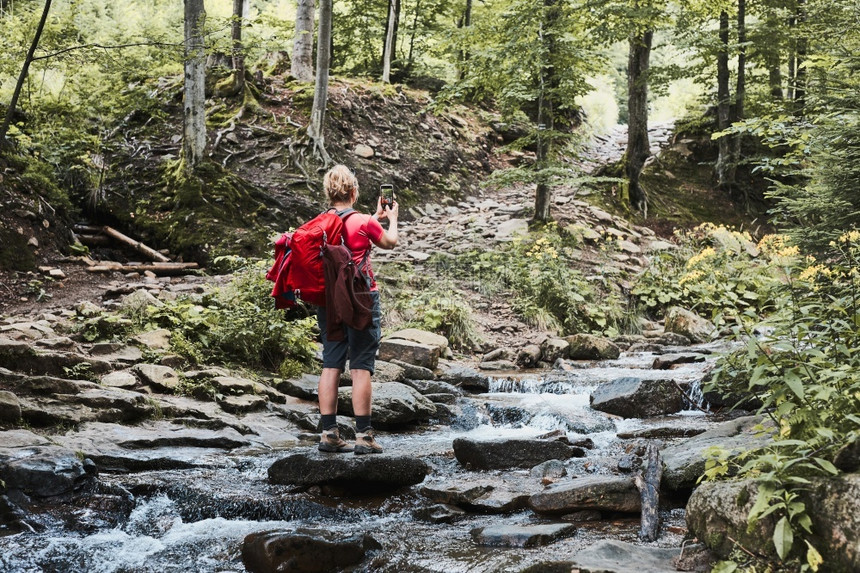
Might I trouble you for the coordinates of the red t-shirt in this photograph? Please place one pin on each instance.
(360, 232)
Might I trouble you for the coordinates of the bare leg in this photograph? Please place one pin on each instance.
(327, 390)
(361, 391)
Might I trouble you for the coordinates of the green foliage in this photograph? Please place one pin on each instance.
(544, 287)
(806, 372)
(437, 307)
(714, 271)
(237, 324)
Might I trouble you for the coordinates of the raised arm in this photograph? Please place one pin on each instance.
(388, 240)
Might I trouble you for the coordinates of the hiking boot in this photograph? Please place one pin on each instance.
(330, 442)
(366, 444)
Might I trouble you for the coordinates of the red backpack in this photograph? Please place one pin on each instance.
(298, 268)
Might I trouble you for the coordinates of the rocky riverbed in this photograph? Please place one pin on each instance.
(481, 472)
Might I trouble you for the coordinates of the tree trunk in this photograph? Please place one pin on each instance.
(301, 66)
(792, 56)
(546, 110)
(317, 123)
(412, 35)
(773, 61)
(388, 45)
(238, 49)
(740, 93)
(649, 489)
(800, 77)
(638, 146)
(194, 135)
(13, 103)
(723, 106)
(464, 22)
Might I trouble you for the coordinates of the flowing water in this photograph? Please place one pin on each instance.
(195, 520)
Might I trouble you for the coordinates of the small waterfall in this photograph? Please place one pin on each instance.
(695, 397)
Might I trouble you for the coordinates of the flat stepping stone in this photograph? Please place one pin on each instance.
(522, 535)
(369, 472)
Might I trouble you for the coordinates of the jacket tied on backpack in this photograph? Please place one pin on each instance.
(313, 264)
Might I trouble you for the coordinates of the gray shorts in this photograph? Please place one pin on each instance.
(359, 346)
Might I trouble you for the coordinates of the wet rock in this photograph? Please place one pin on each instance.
(603, 493)
(610, 556)
(582, 516)
(304, 551)
(522, 535)
(434, 387)
(628, 463)
(637, 398)
(411, 352)
(377, 472)
(504, 415)
(393, 404)
(667, 361)
(591, 347)
(120, 379)
(689, 324)
(467, 378)
(10, 407)
(718, 512)
(498, 365)
(498, 494)
(161, 378)
(549, 469)
(457, 492)
(517, 453)
(413, 372)
(684, 463)
(554, 348)
(661, 433)
(439, 513)
(673, 339)
(41, 471)
(529, 356)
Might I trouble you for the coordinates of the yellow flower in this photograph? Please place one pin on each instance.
(850, 237)
(692, 276)
(706, 253)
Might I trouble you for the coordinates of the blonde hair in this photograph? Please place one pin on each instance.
(339, 184)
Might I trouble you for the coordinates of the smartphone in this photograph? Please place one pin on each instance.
(386, 191)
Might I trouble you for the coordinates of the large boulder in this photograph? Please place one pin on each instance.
(690, 324)
(684, 463)
(552, 349)
(611, 556)
(422, 337)
(466, 378)
(603, 493)
(21, 356)
(410, 352)
(394, 404)
(718, 512)
(41, 471)
(493, 494)
(378, 472)
(637, 398)
(304, 551)
(591, 347)
(516, 453)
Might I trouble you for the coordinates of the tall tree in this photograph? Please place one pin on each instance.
(740, 92)
(13, 103)
(238, 50)
(317, 122)
(547, 104)
(390, 44)
(724, 159)
(301, 66)
(800, 60)
(194, 133)
(638, 146)
(463, 23)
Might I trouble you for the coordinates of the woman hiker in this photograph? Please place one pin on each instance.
(360, 233)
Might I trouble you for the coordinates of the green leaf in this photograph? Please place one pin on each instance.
(827, 466)
(793, 381)
(725, 567)
(783, 538)
(813, 557)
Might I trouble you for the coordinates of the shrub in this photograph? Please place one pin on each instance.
(806, 372)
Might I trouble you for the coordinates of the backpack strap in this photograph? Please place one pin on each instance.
(362, 266)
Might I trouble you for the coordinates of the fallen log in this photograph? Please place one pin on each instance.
(137, 245)
(160, 269)
(649, 488)
(94, 240)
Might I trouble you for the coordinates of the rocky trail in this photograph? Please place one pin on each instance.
(110, 464)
